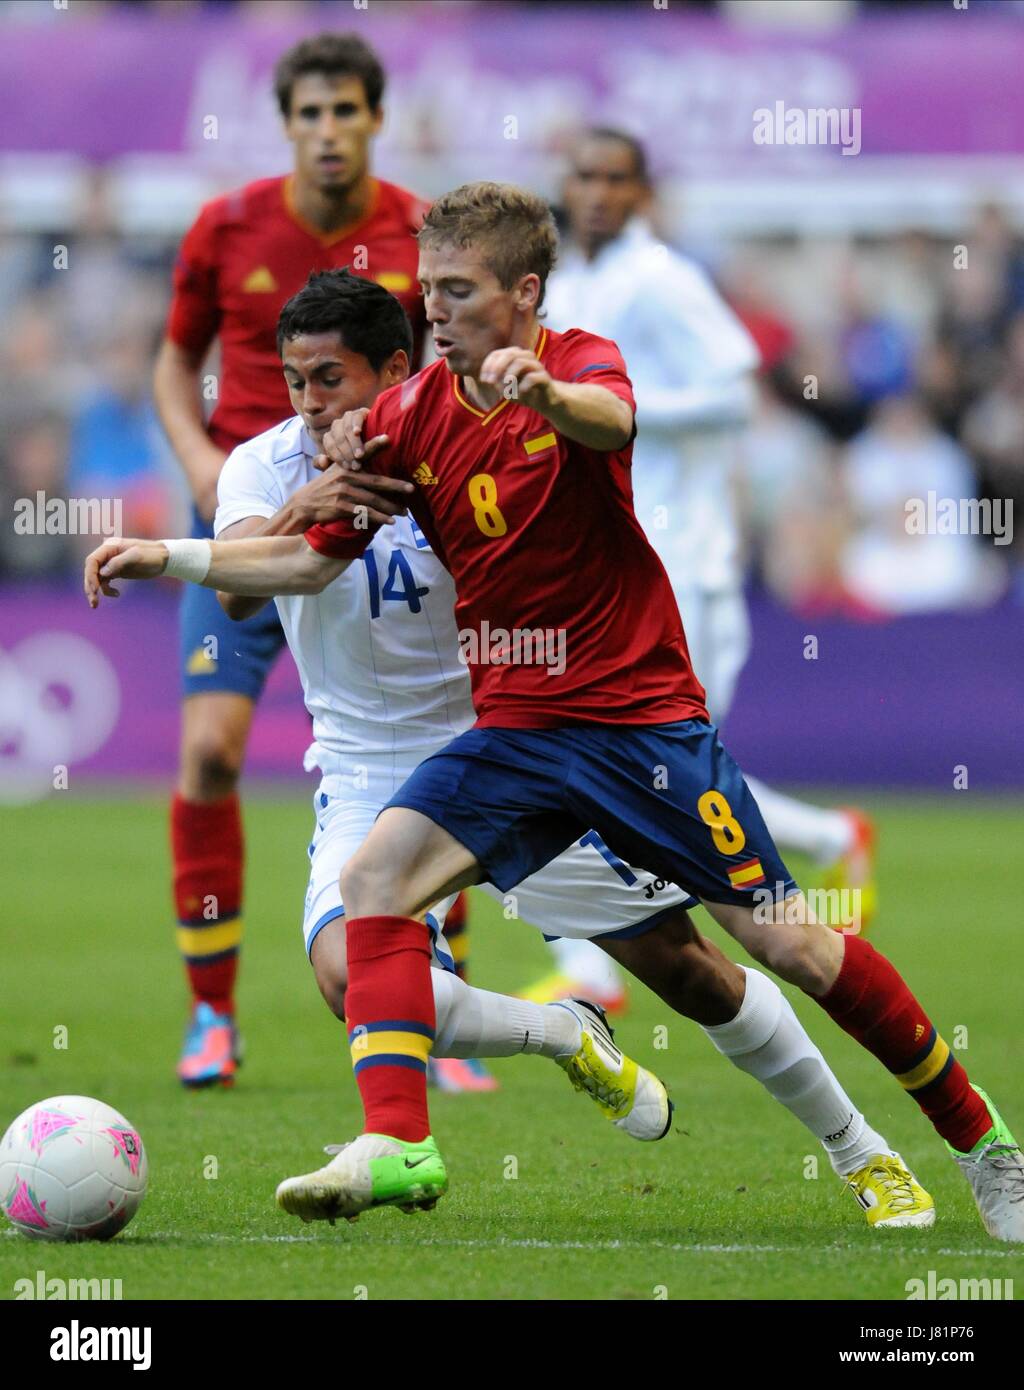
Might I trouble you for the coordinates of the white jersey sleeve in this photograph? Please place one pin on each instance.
(249, 485)
(707, 355)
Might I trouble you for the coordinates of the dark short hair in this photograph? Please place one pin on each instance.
(513, 229)
(334, 55)
(366, 317)
(635, 147)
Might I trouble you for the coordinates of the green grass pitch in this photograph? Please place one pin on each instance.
(547, 1200)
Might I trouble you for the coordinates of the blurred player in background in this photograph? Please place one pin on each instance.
(245, 255)
(692, 365)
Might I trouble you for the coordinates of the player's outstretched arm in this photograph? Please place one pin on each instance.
(332, 494)
(590, 415)
(256, 566)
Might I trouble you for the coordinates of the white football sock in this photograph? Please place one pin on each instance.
(822, 833)
(768, 1041)
(587, 965)
(478, 1023)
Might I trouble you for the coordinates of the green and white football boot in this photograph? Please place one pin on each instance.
(374, 1170)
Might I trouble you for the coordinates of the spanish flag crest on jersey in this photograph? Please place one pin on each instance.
(747, 875)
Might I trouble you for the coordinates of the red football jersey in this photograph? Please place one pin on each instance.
(564, 610)
(250, 251)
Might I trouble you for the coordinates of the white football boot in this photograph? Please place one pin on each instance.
(995, 1170)
(629, 1095)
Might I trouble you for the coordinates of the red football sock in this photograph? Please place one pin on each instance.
(456, 933)
(389, 1008)
(870, 1001)
(208, 852)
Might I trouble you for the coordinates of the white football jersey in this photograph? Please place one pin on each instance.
(372, 686)
(690, 361)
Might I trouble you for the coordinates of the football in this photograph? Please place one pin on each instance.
(71, 1168)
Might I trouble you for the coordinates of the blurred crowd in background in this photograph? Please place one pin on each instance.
(893, 368)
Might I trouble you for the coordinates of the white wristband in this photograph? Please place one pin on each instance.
(189, 560)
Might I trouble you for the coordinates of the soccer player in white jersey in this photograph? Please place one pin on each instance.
(377, 651)
(691, 363)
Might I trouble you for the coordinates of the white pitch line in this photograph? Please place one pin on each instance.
(216, 1238)
(611, 1245)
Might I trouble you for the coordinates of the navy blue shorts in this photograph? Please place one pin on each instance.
(217, 654)
(665, 797)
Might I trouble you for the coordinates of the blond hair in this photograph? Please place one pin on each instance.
(513, 229)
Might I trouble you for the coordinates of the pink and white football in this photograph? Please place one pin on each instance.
(71, 1168)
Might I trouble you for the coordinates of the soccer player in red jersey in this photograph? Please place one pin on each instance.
(246, 254)
(518, 443)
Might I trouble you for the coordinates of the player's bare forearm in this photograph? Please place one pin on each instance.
(237, 606)
(255, 566)
(590, 415)
(290, 520)
(176, 393)
(262, 565)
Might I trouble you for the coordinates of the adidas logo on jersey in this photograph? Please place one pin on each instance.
(424, 476)
(259, 281)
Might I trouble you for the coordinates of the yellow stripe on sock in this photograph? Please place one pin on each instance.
(208, 941)
(365, 1045)
(928, 1069)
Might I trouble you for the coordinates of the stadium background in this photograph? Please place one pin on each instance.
(844, 268)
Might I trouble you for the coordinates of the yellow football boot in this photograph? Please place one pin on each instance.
(889, 1194)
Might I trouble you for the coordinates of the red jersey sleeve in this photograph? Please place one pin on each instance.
(593, 361)
(194, 316)
(342, 539)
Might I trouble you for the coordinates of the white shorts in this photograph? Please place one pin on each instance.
(717, 631)
(342, 824)
(585, 892)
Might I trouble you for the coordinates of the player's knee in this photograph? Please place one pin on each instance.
(705, 988)
(330, 964)
(368, 887)
(332, 981)
(210, 765)
(793, 953)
